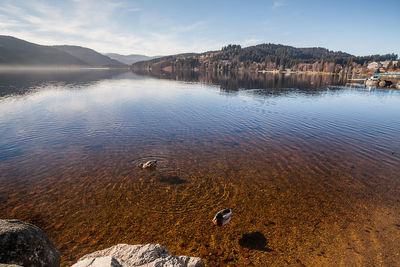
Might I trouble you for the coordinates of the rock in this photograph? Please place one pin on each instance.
(101, 261)
(398, 86)
(25, 244)
(371, 83)
(382, 83)
(136, 255)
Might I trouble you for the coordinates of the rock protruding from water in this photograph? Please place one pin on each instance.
(26, 245)
(124, 255)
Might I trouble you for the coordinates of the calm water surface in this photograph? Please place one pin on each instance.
(310, 168)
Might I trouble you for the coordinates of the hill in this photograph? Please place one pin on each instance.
(129, 59)
(90, 56)
(15, 51)
(268, 57)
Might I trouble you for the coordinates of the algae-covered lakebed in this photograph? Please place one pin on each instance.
(310, 168)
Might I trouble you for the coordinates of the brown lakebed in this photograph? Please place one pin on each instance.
(308, 172)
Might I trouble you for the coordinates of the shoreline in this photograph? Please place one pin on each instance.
(298, 72)
(55, 68)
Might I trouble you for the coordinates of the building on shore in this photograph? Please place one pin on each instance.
(374, 65)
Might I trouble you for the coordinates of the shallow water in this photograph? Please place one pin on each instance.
(310, 169)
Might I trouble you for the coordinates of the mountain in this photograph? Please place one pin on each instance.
(129, 59)
(89, 56)
(15, 51)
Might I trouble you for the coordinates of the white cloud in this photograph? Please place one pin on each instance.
(250, 42)
(278, 3)
(92, 23)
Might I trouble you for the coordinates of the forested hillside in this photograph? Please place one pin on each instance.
(263, 57)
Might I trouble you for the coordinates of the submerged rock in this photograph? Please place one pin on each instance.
(26, 245)
(136, 255)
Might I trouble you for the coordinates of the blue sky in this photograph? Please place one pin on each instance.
(164, 27)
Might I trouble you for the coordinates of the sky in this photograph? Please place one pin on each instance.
(163, 27)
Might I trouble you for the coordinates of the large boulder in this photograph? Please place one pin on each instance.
(124, 255)
(26, 245)
(398, 85)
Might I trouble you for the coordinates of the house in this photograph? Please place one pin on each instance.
(226, 62)
(374, 65)
(385, 63)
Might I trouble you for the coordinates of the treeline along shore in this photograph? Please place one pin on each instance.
(272, 58)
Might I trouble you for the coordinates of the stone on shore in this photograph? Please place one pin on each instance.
(124, 255)
(382, 83)
(26, 245)
(371, 83)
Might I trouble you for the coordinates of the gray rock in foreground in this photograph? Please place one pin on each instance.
(124, 255)
(25, 244)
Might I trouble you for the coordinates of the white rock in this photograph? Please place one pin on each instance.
(100, 262)
(125, 255)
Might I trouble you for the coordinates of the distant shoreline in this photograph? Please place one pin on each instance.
(57, 68)
(297, 72)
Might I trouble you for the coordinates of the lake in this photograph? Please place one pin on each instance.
(310, 167)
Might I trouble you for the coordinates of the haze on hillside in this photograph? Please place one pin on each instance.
(21, 54)
(130, 59)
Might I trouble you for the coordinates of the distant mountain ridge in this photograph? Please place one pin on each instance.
(263, 57)
(130, 59)
(17, 52)
(89, 56)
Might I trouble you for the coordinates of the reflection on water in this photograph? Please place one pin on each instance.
(309, 169)
(16, 82)
(276, 82)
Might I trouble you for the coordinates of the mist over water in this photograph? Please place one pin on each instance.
(304, 162)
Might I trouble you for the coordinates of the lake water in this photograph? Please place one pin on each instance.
(311, 168)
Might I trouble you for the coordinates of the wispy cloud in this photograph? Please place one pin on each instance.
(189, 28)
(250, 42)
(278, 3)
(92, 23)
